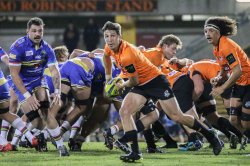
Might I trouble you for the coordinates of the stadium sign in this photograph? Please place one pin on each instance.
(76, 6)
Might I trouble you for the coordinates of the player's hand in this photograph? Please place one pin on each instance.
(217, 91)
(173, 60)
(56, 99)
(119, 85)
(33, 103)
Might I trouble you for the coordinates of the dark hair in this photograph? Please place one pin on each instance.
(170, 39)
(226, 25)
(35, 21)
(112, 26)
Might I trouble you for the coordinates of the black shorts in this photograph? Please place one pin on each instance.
(242, 92)
(227, 93)
(183, 90)
(205, 96)
(156, 89)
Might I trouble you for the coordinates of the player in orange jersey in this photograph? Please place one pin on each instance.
(206, 104)
(147, 82)
(229, 54)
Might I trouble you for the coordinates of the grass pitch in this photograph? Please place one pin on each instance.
(95, 153)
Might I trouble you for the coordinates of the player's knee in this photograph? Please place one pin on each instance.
(44, 104)
(148, 108)
(32, 115)
(154, 115)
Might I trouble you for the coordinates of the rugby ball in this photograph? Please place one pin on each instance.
(110, 88)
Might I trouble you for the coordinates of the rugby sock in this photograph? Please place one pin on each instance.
(132, 137)
(192, 137)
(160, 132)
(224, 123)
(149, 137)
(55, 133)
(5, 128)
(200, 128)
(114, 129)
(76, 127)
(207, 124)
(20, 125)
(17, 135)
(139, 125)
(65, 127)
(3, 141)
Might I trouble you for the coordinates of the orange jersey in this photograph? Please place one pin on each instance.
(229, 54)
(206, 68)
(155, 56)
(132, 62)
(171, 74)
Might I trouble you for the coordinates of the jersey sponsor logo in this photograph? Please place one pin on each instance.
(29, 53)
(230, 59)
(130, 68)
(12, 56)
(172, 73)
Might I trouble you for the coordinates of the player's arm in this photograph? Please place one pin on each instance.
(14, 72)
(182, 62)
(76, 53)
(55, 77)
(108, 66)
(31, 100)
(235, 75)
(198, 86)
(5, 59)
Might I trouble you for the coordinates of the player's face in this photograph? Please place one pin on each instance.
(112, 39)
(35, 33)
(212, 35)
(169, 51)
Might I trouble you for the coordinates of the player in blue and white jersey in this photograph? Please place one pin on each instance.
(29, 55)
(13, 119)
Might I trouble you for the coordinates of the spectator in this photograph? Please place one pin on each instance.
(71, 37)
(91, 35)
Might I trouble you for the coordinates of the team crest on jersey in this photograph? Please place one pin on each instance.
(12, 56)
(43, 52)
(247, 104)
(29, 53)
(38, 57)
(166, 93)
